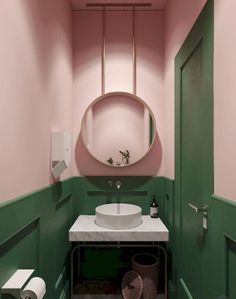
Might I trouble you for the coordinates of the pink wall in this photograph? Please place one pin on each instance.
(87, 36)
(225, 103)
(35, 90)
(180, 16)
(36, 85)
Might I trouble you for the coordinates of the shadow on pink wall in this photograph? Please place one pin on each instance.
(36, 78)
(147, 166)
(51, 36)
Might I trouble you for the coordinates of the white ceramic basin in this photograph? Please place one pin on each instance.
(118, 216)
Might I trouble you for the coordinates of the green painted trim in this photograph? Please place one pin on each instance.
(63, 295)
(228, 237)
(33, 222)
(23, 197)
(60, 278)
(230, 269)
(171, 290)
(224, 200)
(35, 235)
(32, 193)
(168, 179)
(186, 290)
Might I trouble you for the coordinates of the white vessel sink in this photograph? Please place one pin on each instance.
(118, 216)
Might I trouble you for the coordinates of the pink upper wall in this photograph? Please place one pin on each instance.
(36, 86)
(35, 90)
(180, 16)
(224, 99)
(87, 39)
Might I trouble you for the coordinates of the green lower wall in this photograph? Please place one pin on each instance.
(93, 191)
(34, 234)
(34, 227)
(219, 254)
(90, 192)
(222, 239)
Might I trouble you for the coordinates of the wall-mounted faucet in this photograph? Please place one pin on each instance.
(110, 184)
(118, 185)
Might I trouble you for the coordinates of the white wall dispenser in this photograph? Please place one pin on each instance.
(60, 152)
(17, 287)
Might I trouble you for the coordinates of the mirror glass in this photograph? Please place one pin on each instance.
(118, 129)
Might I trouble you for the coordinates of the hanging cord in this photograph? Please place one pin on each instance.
(103, 48)
(134, 53)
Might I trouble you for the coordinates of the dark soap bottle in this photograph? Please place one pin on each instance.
(154, 209)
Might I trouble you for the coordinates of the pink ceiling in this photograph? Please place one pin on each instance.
(155, 4)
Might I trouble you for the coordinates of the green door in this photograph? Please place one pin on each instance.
(194, 154)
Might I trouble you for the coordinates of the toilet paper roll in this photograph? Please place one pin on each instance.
(35, 289)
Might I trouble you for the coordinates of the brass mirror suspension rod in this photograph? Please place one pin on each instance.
(104, 5)
(103, 48)
(134, 54)
(118, 4)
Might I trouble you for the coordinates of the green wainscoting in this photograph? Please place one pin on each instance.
(220, 266)
(222, 233)
(89, 192)
(168, 218)
(34, 230)
(34, 227)
(34, 234)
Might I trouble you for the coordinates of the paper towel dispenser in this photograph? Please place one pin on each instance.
(60, 152)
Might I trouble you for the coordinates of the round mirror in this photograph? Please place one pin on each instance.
(118, 129)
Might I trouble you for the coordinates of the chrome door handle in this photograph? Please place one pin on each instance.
(202, 209)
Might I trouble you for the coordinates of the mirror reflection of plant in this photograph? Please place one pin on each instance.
(110, 161)
(125, 155)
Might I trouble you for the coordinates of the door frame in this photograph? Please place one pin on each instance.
(203, 24)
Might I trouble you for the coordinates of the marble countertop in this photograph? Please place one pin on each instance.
(151, 229)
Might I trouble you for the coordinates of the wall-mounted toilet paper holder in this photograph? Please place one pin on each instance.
(15, 284)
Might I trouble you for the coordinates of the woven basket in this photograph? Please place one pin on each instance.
(147, 266)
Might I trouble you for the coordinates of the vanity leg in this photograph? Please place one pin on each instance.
(77, 248)
(166, 270)
(166, 275)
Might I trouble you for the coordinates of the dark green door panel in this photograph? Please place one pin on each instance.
(192, 168)
(194, 152)
(231, 268)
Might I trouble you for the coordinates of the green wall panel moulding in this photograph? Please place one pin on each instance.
(90, 192)
(93, 191)
(34, 234)
(34, 227)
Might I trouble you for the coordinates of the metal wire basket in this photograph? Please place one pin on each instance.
(132, 285)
